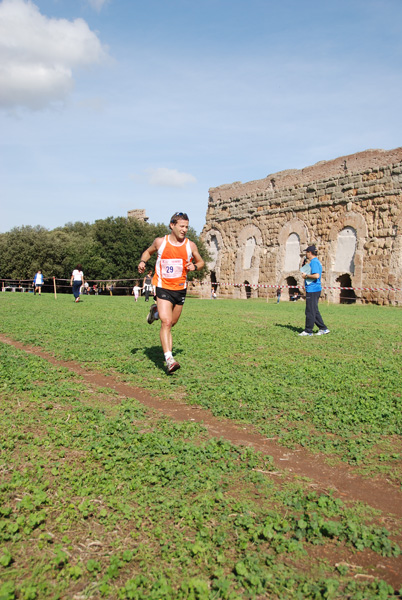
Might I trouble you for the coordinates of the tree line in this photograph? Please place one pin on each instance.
(109, 249)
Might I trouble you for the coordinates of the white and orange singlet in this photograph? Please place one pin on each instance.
(170, 269)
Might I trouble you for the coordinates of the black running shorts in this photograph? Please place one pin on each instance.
(173, 296)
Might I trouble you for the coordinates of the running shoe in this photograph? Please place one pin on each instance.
(322, 332)
(303, 333)
(151, 315)
(172, 365)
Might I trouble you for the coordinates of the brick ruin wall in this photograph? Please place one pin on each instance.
(350, 208)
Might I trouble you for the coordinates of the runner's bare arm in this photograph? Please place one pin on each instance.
(198, 262)
(146, 255)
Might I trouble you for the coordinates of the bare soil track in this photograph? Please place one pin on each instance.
(342, 479)
(375, 492)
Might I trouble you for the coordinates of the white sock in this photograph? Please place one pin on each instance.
(168, 355)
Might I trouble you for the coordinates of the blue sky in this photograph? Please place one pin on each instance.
(111, 105)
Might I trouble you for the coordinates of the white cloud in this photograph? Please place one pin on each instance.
(38, 55)
(164, 177)
(97, 4)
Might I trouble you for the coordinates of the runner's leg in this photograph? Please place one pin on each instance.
(176, 313)
(165, 311)
(168, 315)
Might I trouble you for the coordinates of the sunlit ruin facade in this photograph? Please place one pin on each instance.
(350, 208)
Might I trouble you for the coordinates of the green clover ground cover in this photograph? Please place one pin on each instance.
(338, 394)
(101, 499)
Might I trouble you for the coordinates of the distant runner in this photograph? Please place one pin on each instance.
(176, 256)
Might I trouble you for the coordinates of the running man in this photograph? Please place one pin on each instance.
(176, 256)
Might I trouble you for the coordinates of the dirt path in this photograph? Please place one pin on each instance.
(342, 479)
(348, 485)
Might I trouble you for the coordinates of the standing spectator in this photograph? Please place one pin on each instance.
(77, 280)
(38, 282)
(312, 280)
(147, 285)
(278, 295)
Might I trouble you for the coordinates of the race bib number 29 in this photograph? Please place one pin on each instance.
(172, 268)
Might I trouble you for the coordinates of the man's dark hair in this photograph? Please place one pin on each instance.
(179, 216)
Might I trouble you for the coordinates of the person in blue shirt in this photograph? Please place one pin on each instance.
(38, 282)
(312, 282)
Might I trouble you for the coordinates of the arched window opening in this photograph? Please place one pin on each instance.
(347, 296)
(294, 292)
(292, 253)
(345, 251)
(214, 284)
(213, 248)
(247, 288)
(248, 252)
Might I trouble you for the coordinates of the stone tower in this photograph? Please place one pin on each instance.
(138, 213)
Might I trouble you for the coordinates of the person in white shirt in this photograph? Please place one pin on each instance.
(136, 291)
(77, 280)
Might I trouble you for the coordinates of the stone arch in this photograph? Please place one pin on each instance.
(292, 253)
(214, 241)
(346, 296)
(247, 289)
(346, 250)
(395, 266)
(249, 248)
(353, 224)
(248, 258)
(292, 288)
(293, 233)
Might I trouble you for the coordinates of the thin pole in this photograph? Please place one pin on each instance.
(54, 285)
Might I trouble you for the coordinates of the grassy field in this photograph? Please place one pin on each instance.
(102, 498)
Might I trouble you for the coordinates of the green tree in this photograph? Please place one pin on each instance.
(81, 247)
(24, 250)
(121, 242)
(108, 249)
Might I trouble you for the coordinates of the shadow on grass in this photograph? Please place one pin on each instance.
(155, 354)
(291, 327)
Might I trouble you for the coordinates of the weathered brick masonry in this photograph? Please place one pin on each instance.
(350, 207)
